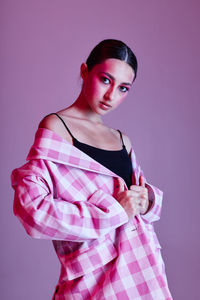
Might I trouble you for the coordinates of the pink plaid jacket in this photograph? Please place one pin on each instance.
(64, 195)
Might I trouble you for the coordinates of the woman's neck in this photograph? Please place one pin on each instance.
(81, 109)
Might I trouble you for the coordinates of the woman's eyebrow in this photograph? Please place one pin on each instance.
(111, 77)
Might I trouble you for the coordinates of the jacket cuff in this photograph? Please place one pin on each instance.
(155, 196)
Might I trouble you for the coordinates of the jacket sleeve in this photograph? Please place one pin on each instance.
(155, 195)
(44, 216)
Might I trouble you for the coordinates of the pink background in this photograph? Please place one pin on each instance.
(43, 43)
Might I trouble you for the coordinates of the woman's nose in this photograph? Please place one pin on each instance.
(109, 94)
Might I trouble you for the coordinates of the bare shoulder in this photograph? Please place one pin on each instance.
(127, 142)
(52, 122)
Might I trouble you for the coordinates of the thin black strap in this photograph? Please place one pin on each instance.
(64, 125)
(121, 137)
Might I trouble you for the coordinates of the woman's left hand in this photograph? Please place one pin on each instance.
(143, 195)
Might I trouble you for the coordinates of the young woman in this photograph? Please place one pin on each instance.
(83, 188)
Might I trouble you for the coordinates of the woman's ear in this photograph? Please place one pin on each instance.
(84, 71)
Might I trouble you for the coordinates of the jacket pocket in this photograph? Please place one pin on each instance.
(91, 259)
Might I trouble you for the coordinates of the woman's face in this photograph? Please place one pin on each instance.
(106, 85)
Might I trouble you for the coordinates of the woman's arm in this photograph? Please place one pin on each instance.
(45, 216)
(144, 198)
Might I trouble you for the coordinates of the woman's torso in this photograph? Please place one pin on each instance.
(100, 142)
(91, 133)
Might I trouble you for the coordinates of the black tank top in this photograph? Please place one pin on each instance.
(117, 161)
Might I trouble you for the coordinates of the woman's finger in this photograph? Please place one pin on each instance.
(135, 188)
(142, 181)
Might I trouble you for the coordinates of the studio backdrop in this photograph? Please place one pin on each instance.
(43, 43)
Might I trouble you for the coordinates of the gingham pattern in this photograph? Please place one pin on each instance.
(64, 195)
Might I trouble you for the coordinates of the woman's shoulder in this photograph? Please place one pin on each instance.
(126, 140)
(53, 123)
(49, 121)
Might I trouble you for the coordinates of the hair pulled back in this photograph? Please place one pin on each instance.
(110, 48)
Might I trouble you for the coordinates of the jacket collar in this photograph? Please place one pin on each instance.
(50, 146)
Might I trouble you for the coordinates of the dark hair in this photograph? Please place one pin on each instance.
(112, 49)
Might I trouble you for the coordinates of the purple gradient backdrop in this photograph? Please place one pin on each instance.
(42, 46)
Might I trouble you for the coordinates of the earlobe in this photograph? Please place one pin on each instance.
(84, 71)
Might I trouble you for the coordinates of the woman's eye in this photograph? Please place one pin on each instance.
(123, 89)
(105, 80)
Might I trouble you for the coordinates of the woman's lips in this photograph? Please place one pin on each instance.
(105, 105)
